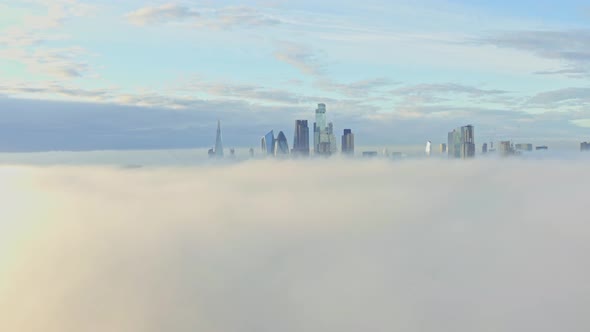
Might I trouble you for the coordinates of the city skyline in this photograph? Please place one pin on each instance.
(461, 142)
(159, 75)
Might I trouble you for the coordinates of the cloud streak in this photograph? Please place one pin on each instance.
(300, 57)
(218, 18)
(161, 14)
(571, 47)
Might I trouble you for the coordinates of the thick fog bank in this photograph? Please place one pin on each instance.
(297, 246)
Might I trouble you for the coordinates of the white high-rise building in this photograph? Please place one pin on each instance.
(324, 140)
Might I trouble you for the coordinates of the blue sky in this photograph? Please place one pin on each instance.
(103, 75)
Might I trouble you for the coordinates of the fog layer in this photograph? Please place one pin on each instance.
(296, 246)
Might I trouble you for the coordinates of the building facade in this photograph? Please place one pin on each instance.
(506, 148)
(281, 147)
(348, 142)
(301, 138)
(523, 147)
(324, 140)
(218, 142)
(267, 143)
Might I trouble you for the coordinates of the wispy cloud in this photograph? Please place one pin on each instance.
(216, 18)
(357, 89)
(161, 14)
(233, 16)
(445, 88)
(571, 47)
(301, 57)
(569, 96)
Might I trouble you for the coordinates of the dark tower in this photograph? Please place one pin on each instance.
(348, 142)
(301, 138)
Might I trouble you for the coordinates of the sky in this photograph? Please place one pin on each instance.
(87, 75)
(357, 246)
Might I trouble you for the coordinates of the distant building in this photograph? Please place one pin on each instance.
(443, 148)
(542, 147)
(332, 138)
(461, 143)
(428, 148)
(585, 146)
(491, 149)
(301, 138)
(348, 142)
(251, 152)
(324, 140)
(218, 142)
(217, 151)
(484, 148)
(370, 154)
(267, 143)
(232, 153)
(523, 147)
(281, 147)
(506, 148)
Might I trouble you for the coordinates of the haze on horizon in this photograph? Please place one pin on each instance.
(95, 75)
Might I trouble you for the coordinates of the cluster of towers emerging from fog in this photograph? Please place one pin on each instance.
(460, 143)
(324, 139)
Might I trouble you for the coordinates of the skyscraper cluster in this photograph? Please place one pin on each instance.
(461, 143)
(507, 148)
(324, 140)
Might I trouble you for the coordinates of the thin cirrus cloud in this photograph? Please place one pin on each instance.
(446, 88)
(573, 96)
(446, 247)
(301, 57)
(571, 47)
(225, 17)
(161, 14)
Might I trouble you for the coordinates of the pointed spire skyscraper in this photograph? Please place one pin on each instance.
(218, 142)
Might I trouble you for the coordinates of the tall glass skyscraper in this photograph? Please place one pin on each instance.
(348, 142)
(324, 140)
(281, 147)
(320, 116)
(267, 143)
(301, 138)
